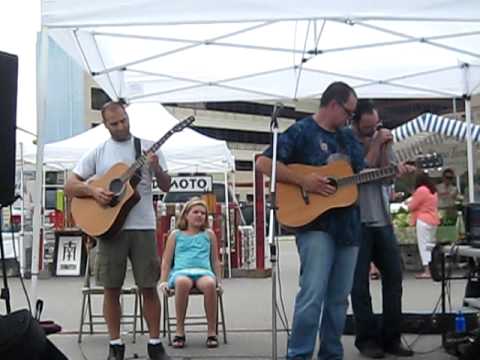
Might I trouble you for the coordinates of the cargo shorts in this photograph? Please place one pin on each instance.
(111, 261)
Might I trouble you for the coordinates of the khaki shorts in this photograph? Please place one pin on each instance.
(111, 260)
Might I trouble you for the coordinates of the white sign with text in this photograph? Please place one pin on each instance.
(191, 184)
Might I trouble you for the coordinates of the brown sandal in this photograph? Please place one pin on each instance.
(212, 342)
(178, 342)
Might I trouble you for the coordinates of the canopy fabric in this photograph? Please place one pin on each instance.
(243, 50)
(186, 151)
(430, 133)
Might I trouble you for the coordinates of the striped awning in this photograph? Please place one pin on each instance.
(419, 134)
(435, 124)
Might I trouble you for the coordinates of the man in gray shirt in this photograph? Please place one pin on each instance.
(378, 244)
(136, 240)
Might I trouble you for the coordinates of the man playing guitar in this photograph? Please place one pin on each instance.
(136, 239)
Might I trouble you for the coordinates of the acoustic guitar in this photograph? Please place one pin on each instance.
(106, 221)
(297, 207)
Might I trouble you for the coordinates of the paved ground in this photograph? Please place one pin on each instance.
(248, 313)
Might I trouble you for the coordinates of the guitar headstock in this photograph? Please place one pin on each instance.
(429, 161)
(183, 124)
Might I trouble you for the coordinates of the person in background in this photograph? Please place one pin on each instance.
(423, 207)
(448, 194)
(193, 251)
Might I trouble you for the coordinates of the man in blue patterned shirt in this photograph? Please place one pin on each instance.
(328, 246)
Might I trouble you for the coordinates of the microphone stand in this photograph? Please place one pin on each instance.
(272, 240)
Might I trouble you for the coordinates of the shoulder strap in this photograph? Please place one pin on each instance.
(138, 153)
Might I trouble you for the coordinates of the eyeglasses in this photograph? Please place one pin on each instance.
(350, 113)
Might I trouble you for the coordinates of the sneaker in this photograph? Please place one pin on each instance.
(399, 350)
(116, 352)
(157, 352)
(372, 350)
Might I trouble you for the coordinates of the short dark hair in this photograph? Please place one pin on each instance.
(111, 105)
(364, 106)
(448, 171)
(424, 180)
(338, 91)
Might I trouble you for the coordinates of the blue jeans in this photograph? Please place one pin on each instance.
(379, 245)
(326, 275)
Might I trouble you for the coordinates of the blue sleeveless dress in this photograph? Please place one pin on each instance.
(191, 257)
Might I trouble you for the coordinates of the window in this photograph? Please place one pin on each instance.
(243, 165)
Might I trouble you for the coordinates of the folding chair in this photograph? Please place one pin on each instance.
(88, 318)
(170, 322)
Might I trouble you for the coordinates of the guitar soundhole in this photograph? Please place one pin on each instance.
(116, 187)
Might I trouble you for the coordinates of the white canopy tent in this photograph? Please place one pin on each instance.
(182, 50)
(186, 151)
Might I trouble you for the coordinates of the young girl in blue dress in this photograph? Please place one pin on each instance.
(192, 249)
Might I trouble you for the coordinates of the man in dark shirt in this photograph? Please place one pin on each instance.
(327, 247)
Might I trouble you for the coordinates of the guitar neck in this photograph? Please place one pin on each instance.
(369, 176)
(142, 159)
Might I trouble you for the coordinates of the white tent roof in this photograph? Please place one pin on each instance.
(186, 151)
(183, 50)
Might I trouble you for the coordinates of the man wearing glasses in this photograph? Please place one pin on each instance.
(328, 246)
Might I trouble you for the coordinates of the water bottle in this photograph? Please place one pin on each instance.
(460, 324)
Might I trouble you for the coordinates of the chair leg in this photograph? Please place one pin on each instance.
(90, 316)
(222, 312)
(140, 303)
(82, 318)
(135, 309)
(167, 314)
(164, 315)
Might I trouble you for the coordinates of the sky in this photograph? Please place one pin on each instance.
(19, 25)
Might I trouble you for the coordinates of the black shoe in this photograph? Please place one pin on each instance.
(116, 352)
(399, 350)
(372, 350)
(157, 352)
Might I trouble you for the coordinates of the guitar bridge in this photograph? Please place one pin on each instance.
(305, 197)
(114, 201)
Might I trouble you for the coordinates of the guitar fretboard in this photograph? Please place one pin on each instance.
(369, 176)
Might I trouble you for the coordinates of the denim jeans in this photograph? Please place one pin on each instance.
(326, 275)
(379, 245)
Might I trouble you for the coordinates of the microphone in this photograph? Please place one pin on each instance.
(276, 111)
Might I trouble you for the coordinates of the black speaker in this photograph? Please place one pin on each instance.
(8, 116)
(472, 224)
(22, 338)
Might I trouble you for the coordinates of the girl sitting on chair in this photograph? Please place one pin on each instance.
(192, 250)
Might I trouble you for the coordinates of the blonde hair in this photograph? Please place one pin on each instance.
(195, 201)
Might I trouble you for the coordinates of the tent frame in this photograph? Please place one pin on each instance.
(302, 67)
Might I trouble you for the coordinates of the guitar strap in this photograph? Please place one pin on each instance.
(138, 153)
